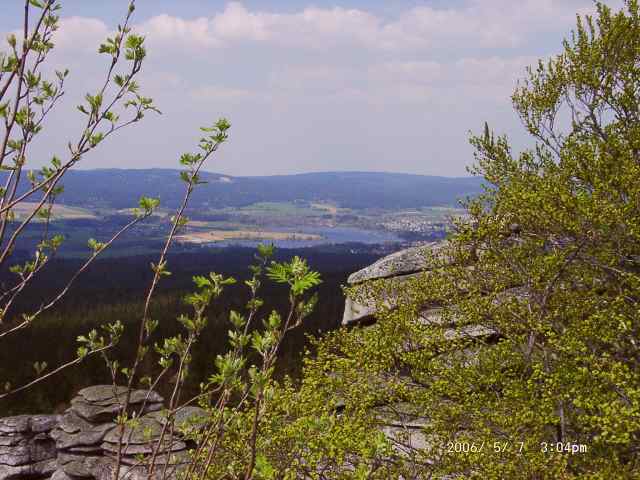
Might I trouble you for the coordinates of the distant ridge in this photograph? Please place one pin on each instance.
(121, 188)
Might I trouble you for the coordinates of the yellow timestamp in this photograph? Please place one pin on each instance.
(511, 447)
(563, 447)
(484, 446)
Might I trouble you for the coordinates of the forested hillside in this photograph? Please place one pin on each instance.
(114, 188)
(112, 290)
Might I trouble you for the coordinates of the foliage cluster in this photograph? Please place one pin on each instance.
(521, 338)
(531, 335)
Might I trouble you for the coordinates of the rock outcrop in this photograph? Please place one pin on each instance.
(85, 442)
(402, 423)
(27, 449)
(392, 270)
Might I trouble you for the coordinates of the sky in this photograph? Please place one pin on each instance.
(394, 85)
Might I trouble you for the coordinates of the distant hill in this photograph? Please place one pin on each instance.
(121, 188)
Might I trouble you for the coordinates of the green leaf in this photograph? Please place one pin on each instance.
(148, 205)
(185, 177)
(264, 470)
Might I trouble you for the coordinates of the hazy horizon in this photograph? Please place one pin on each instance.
(309, 172)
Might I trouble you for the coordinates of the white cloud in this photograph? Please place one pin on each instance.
(165, 28)
(80, 34)
(330, 88)
(478, 23)
(310, 28)
(237, 23)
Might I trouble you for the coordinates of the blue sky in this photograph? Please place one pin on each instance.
(112, 9)
(326, 85)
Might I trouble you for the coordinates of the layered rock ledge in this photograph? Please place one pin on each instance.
(401, 422)
(85, 442)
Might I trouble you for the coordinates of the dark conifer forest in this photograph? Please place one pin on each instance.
(113, 289)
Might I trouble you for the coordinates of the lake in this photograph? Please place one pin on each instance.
(330, 235)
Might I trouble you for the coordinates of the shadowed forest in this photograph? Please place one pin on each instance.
(113, 289)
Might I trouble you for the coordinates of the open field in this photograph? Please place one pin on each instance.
(291, 224)
(332, 209)
(288, 209)
(222, 235)
(60, 212)
(159, 212)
